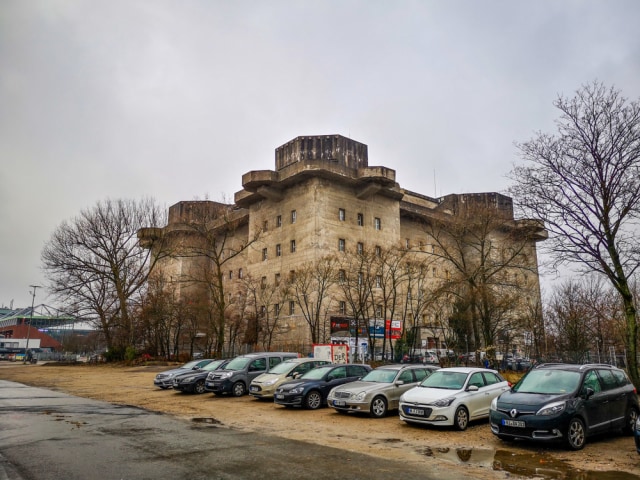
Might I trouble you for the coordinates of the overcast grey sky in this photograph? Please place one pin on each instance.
(177, 99)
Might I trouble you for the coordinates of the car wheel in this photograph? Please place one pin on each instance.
(238, 389)
(630, 422)
(313, 400)
(576, 434)
(378, 407)
(199, 387)
(461, 418)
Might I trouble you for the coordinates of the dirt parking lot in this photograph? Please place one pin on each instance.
(475, 451)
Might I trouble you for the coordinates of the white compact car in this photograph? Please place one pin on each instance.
(452, 396)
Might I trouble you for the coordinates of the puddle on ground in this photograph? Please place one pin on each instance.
(525, 465)
(206, 421)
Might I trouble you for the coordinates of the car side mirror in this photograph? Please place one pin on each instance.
(472, 388)
(399, 382)
(588, 393)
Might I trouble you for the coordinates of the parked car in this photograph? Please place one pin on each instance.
(637, 435)
(237, 375)
(452, 396)
(379, 390)
(563, 402)
(193, 381)
(264, 386)
(311, 389)
(164, 379)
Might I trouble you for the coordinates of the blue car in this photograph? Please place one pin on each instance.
(311, 389)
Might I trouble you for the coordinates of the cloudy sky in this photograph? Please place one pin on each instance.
(175, 100)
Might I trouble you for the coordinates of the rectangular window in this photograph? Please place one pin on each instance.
(263, 282)
(240, 273)
(379, 311)
(360, 220)
(230, 274)
(276, 309)
(294, 216)
(279, 221)
(264, 254)
(278, 250)
(341, 244)
(343, 308)
(342, 215)
(379, 281)
(433, 271)
(360, 248)
(263, 311)
(377, 223)
(360, 278)
(342, 276)
(292, 307)
(407, 245)
(378, 251)
(293, 246)
(276, 279)
(265, 226)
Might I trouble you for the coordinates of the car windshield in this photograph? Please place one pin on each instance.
(191, 364)
(213, 365)
(283, 367)
(237, 363)
(445, 379)
(548, 381)
(317, 373)
(380, 375)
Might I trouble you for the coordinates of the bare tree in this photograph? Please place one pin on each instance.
(356, 287)
(217, 235)
(96, 266)
(310, 288)
(584, 182)
(484, 258)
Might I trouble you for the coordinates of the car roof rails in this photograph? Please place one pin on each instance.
(599, 365)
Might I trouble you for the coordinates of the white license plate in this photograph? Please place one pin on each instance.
(279, 396)
(513, 423)
(253, 389)
(415, 411)
(339, 403)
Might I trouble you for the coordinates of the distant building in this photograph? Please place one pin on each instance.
(322, 199)
(39, 329)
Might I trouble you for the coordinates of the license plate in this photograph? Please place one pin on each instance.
(279, 396)
(415, 411)
(513, 423)
(339, 403)
(253, 389)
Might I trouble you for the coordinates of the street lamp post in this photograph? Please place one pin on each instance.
(33, 300)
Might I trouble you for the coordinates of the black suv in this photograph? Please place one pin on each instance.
(567, 403)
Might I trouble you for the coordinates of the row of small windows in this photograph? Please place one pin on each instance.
(342, 216)
(292, 249)
(294, 216)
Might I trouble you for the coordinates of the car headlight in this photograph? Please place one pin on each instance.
(268, 383)
(494, 404)
(360, 396)
(187, 379)
(296, 390)
(552, 408)
(226, 375)
(444, 402)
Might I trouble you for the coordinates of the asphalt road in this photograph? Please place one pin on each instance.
(50, 435)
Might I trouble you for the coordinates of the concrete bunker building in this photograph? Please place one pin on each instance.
(323, 199)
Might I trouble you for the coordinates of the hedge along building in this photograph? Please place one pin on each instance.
(326, 237)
